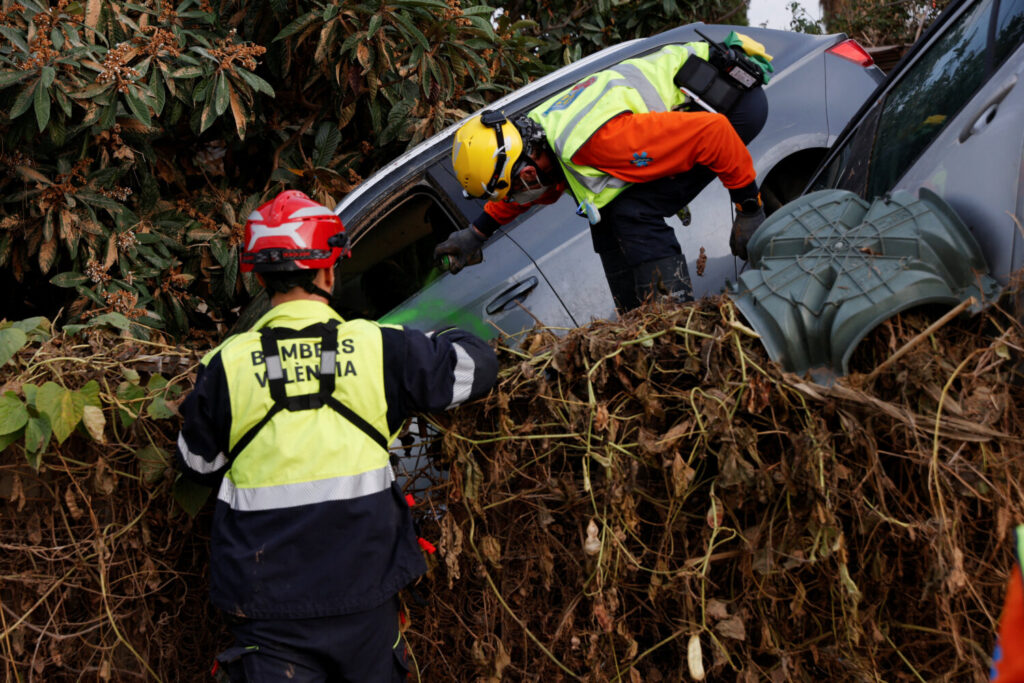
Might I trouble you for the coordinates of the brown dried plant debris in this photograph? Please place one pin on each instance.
(657, 477)
(632, 494)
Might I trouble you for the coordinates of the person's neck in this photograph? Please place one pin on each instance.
(297, 294)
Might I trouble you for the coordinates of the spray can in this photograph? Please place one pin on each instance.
(444, 263)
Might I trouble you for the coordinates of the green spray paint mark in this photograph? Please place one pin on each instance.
(435, 314)
(434, 274)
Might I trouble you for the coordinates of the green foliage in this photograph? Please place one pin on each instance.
(190, 495)
(153, 462)
(96, 96)
(61, 405)
(802, 22)
(13, 414)
(49, 410)
(570, 30)
(137, 137)
(11, 341)
(403, 70)
(882, 22)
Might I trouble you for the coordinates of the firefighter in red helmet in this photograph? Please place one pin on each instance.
(291, 421)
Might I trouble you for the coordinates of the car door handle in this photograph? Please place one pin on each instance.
(512, 295)
(988, 110)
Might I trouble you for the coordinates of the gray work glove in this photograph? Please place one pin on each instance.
(743, 228)
(462, 249)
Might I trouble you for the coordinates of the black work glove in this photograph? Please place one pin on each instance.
(462, 248)
(747, 221)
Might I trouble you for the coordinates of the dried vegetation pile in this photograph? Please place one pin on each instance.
(635, 488)
(101, 570)
(631, 492)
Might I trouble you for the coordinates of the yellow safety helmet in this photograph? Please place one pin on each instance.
(486, 149)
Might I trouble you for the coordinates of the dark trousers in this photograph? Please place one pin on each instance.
(632, 230)
(364, 647)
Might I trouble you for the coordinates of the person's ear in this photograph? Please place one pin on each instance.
(546, 160)
(328, 279)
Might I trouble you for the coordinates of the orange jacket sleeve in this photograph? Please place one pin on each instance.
(1008, 662)
(641, 147)
(496, 214)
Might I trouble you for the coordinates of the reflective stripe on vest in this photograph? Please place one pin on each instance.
(306, 492)
(639, 85)
(197, 462)
(633, 78)
(1019, 535)
(465, 373)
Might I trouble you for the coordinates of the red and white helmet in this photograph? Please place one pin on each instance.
(292, 232)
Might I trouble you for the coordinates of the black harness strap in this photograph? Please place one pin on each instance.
(328, 333)
(358, 421)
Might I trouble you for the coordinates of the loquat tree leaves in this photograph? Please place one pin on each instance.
(134, 134)
(96, 94)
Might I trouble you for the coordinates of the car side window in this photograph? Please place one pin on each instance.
(894, 133)
(848, 170)
(393, 259)
(1009, 28)
(921, 105)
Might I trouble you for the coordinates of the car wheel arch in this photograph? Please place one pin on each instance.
(789, 175)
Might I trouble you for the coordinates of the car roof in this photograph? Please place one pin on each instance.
(786, 48)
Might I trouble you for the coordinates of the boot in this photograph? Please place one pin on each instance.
(666, 276)
(620, 281)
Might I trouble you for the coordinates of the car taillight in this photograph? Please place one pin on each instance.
(851, 49)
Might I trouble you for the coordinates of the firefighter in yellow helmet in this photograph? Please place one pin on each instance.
(291, 421)
(633, 144)
(485, 150)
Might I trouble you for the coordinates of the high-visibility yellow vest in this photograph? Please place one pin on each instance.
(273, 457)
(639, 85)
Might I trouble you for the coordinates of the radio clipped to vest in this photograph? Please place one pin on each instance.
(718, 83)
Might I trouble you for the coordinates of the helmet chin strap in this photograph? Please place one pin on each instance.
(314, 288)
(319, 291)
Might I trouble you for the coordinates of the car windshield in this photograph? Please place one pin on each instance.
(897, 129)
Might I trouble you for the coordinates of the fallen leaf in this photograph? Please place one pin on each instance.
(94, 421)
(592, 546)
(733, 627)
(491, 549)
(716, 609)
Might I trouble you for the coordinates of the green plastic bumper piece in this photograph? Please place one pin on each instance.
(829, 267)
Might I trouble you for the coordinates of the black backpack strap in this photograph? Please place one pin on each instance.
(269, 339)
(328, 333)
(358, 421)
(251, 434)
